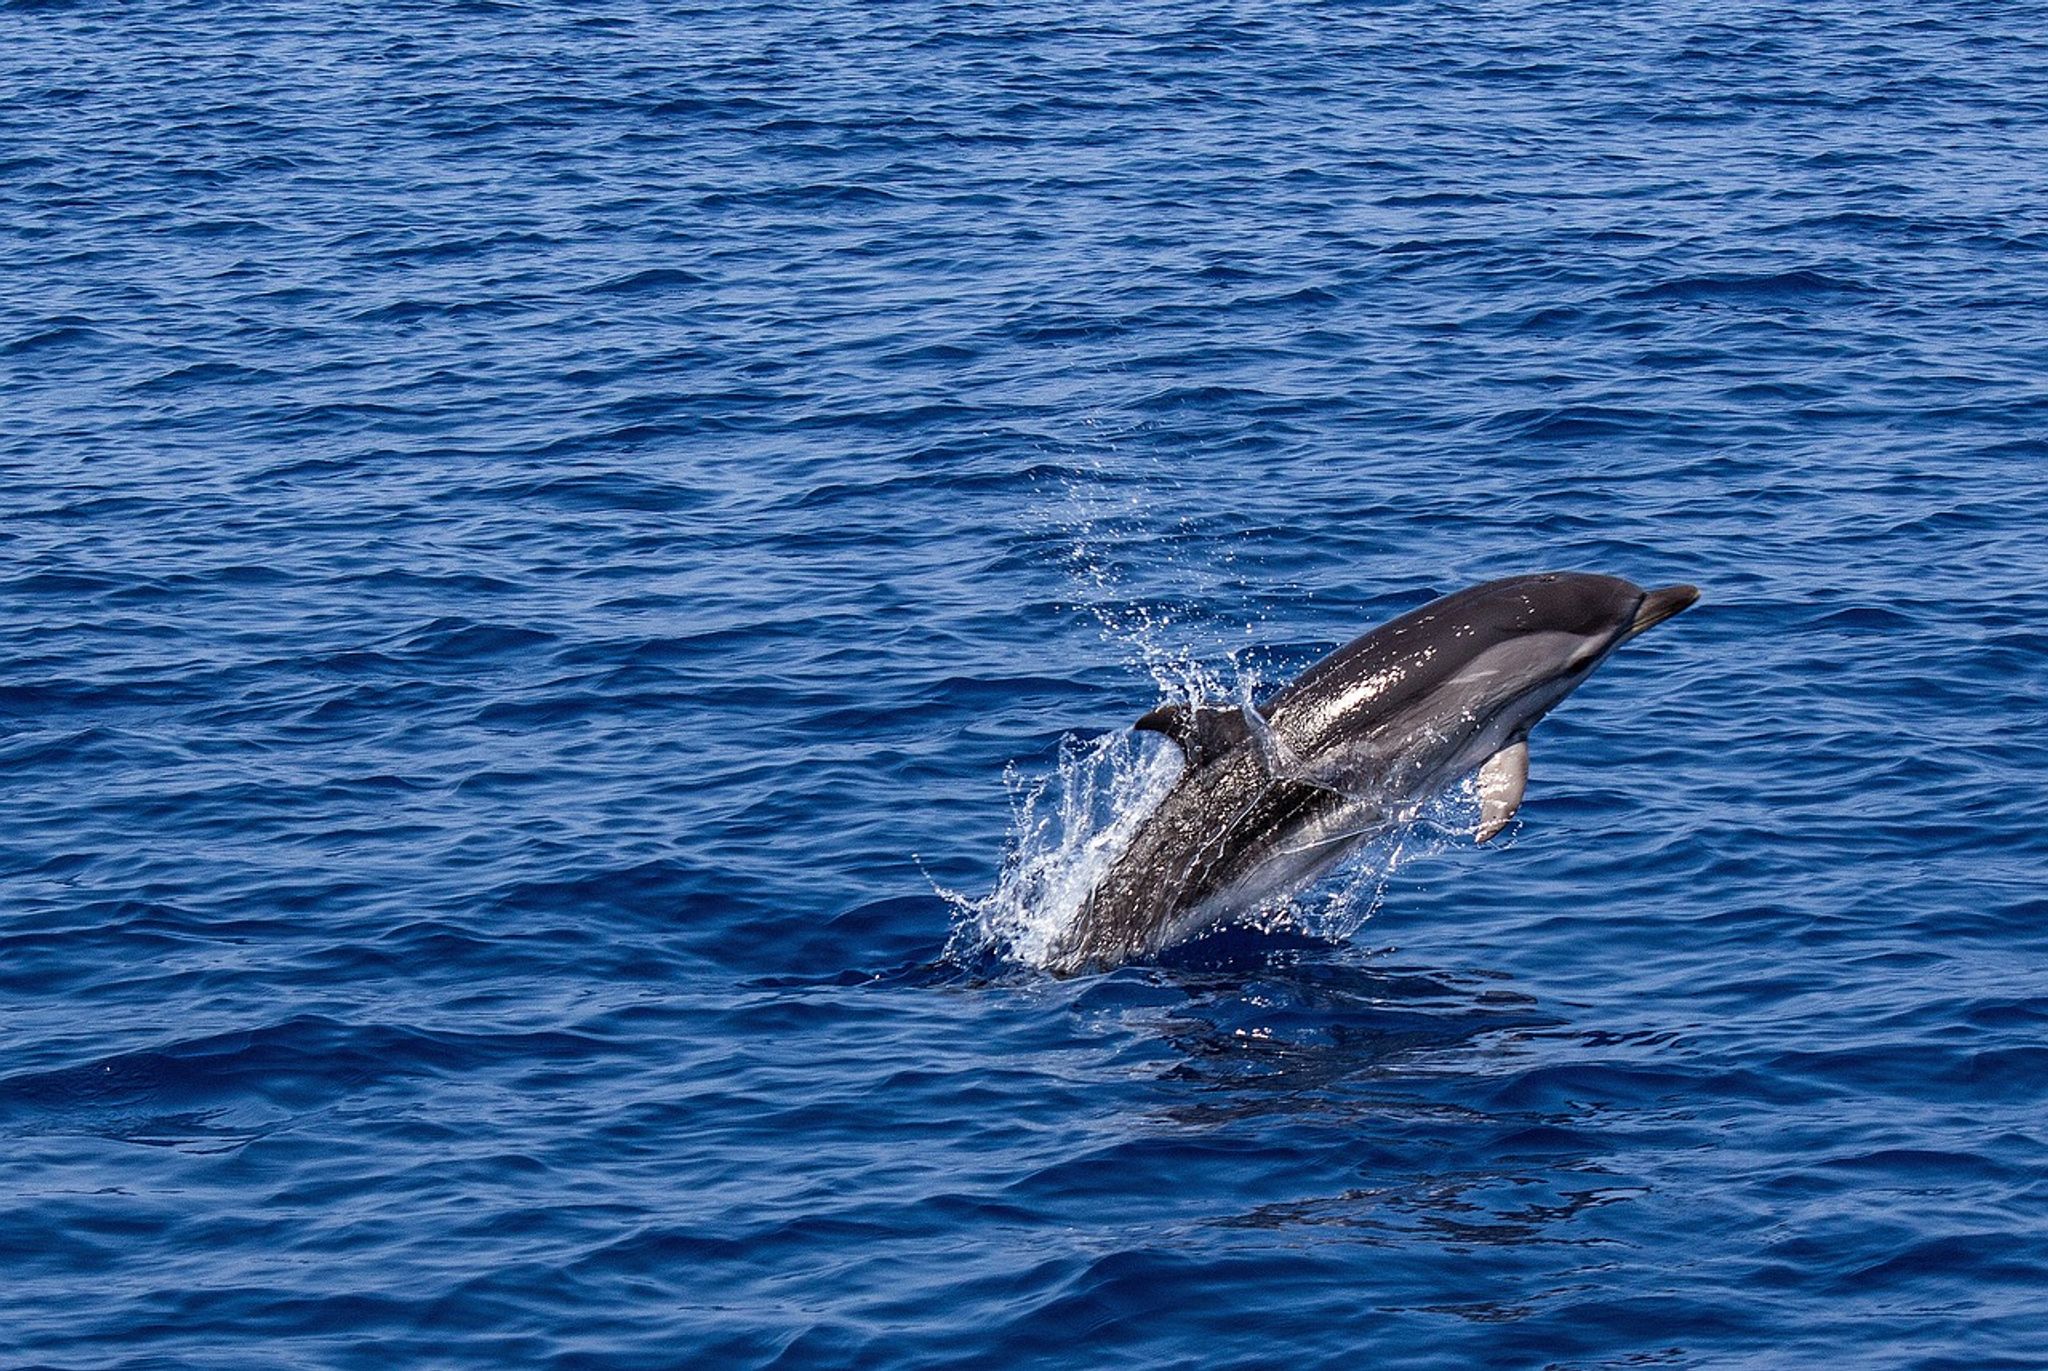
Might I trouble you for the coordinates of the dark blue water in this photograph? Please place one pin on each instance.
(533, 533)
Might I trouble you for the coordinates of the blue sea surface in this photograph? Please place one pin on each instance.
(557, 560)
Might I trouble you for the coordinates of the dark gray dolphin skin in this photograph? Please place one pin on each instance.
(1270, 797)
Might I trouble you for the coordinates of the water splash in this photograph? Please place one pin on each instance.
(1069, 826)
(1066, 829)
(1340, 902)
(1165, 621)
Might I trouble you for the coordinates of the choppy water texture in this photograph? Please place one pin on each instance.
(533, 534)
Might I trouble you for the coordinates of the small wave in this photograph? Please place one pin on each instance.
(54, 334)
(651, 279)
(1760, 287)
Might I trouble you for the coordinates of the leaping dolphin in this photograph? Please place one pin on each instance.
(1272, 796)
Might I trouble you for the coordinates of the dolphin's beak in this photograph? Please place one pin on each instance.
(1659, 605)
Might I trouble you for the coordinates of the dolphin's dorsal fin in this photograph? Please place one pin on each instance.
(1203, 732)
(1501, 781)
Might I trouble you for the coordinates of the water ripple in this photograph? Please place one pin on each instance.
(537, 537)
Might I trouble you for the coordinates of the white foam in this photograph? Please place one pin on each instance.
(1066, 829)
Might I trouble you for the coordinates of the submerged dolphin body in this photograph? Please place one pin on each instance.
(1271, 797)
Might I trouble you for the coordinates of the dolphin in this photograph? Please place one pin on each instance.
(1272, 796)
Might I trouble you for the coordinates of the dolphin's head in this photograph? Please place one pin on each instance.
(1539, 636)
(1581, 604)
(1599, 611)
(1505, 651)
(1659, 605)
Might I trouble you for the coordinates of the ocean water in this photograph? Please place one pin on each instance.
(573, 579)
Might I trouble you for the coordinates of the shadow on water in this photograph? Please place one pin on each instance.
(1288, 1022)
(1251, 1089)
(1412, 1097)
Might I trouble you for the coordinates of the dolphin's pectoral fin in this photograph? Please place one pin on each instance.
(1501, 781)
(1203, 732)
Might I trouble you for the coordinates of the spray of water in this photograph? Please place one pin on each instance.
(1066, 829)
(1069, 826)
(1338, 904)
